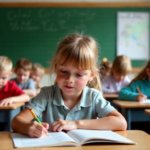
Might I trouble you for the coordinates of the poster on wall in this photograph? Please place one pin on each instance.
(133, 35)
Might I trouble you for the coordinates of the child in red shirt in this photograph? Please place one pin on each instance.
(9, 91)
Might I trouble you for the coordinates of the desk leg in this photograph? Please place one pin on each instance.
(10, 116)
(127, 114)
(149, 125)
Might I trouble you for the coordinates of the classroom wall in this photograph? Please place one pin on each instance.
(46, 79)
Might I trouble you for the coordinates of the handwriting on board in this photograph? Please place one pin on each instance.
(48, 19)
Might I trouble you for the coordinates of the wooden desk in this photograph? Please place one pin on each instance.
(141, 138)
(132, 111)
(147, 111)
(111, 96)
(7, 113)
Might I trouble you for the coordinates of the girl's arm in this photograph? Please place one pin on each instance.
(129, 93)
(22, 124)
(30, 92)
(113, 121)
(10, 100)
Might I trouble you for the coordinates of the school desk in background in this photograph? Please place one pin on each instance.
(7, 113)
(147, 111)
(133, 111)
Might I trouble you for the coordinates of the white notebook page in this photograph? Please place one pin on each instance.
(146, 101)
(20, 140)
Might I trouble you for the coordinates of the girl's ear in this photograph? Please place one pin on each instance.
(93, 75)
(148, 71)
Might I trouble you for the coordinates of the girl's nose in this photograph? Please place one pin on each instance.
(69, 78)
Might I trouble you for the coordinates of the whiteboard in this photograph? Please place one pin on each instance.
(133, 35)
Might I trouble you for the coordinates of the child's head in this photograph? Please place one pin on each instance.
(75, 62)
(22, 70)
(121, 67)
(37, 72)
(5, 70)
(144, 74)
(105, 67)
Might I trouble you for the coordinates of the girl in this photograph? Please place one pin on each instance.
(37, 74)
(105, 68)
(142, 81)
(71, 104)
(118, 78)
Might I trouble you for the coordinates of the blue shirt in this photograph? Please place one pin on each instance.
(130, 93)
(29, 84)
(50, 102)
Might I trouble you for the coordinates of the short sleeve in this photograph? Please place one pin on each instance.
(16, 90)
(38, 103)
(31, 84)
(103, 107)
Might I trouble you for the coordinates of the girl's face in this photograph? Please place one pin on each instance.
(71, 80)
(22, 75)
(4, 78)
(36, 76)
(118, 77)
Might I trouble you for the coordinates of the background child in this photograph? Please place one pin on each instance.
(118, 78)
(105, 68)
(142, 81)
(9, 91)
(70, 104)
(37, 73)
(22, 70)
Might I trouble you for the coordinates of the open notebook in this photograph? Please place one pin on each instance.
(146, 101)
(72, 138)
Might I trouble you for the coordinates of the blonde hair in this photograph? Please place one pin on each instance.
(142, 75)
(38, 68)
(105, 65)
(5, 63)
(122, 65)
(80, 51)
(23, 63)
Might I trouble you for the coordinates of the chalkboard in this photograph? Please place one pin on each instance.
(35, 32)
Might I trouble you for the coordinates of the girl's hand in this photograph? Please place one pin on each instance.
(6, 101)
(61, 124)
(38, 86)
(141, 97)
(34, 129)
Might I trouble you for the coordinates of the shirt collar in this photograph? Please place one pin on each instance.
(85, 101)
(58, 100)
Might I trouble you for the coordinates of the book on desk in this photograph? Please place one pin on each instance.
(145, 101)
(72, 138)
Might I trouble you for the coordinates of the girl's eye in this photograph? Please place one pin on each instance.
(63, 71)
(79, 75)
